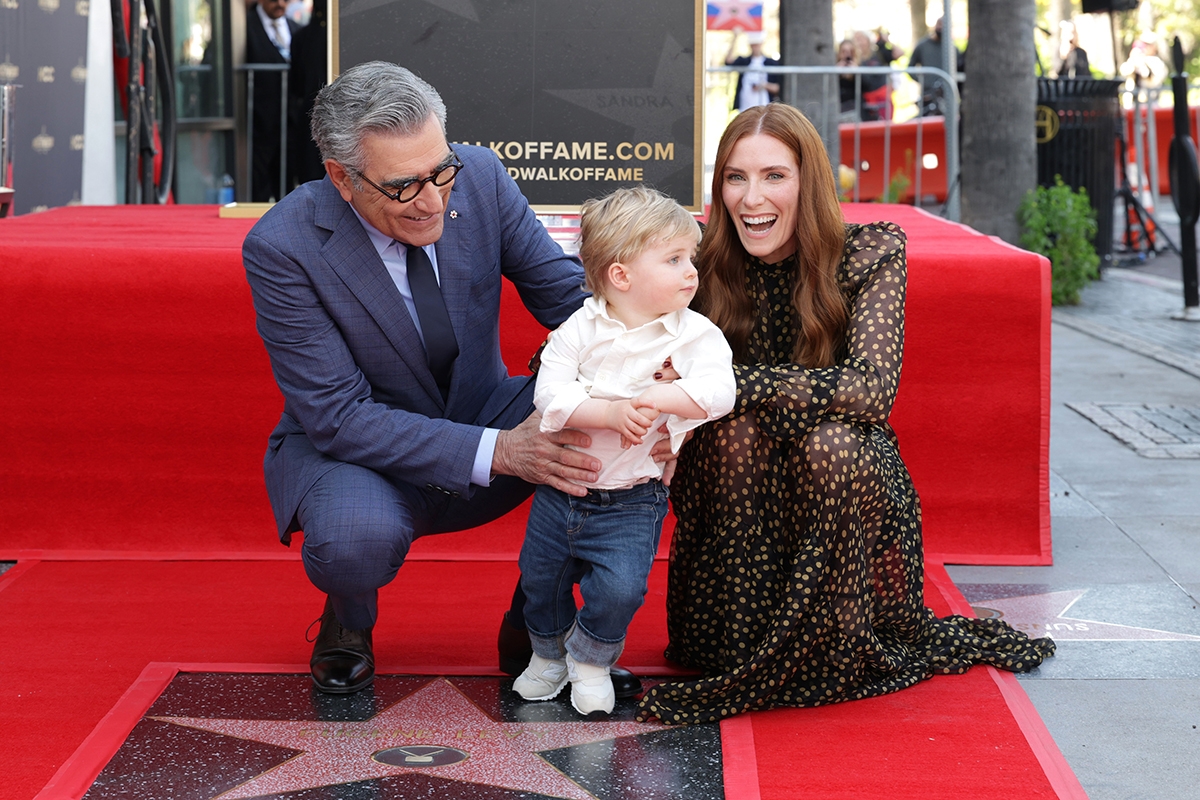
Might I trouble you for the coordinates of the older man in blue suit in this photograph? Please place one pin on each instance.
(377, 292)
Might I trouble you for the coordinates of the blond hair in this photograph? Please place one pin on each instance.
(622, 225)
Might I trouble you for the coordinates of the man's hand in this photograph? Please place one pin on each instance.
(539, 457)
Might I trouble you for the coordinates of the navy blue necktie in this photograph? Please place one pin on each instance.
(440, 346)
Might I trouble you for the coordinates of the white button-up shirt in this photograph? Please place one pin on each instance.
(592, 355)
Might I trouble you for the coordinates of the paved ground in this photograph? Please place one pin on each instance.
(1122, 696)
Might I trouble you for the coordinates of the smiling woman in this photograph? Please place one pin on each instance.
(796, 574)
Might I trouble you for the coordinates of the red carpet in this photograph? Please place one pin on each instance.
(952, 736)
(135, 402)
(137, 398)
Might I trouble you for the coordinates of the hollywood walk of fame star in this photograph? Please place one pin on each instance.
(434, 718)
(1045, 615)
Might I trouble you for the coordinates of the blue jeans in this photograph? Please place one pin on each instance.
(606, 542)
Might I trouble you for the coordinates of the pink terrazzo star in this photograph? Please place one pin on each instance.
(435, 717)
(1045, 615)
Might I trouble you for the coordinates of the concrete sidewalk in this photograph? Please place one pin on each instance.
(1122, 695)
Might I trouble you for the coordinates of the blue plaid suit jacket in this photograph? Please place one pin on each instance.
(344, 350)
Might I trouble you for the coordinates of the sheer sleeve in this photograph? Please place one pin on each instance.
(788, 399)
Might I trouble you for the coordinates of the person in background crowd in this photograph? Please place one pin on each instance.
(1074, 57)
(876, 102)
(307, 76)
(928, 53)
(755, 86)
(269, 35)
(1144, 68)
(847, 56)
(887, 50)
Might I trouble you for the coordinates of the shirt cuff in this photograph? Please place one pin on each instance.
(481, 473)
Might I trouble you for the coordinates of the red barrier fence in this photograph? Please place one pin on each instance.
(902, 151)
(901, 147)
(1164, 131)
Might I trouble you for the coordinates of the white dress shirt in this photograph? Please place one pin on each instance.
(592, 355)
(754, 80)
(277, 31)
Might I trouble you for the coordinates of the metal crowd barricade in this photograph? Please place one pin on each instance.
(829, 75)
(1143, 100)
(250, 70)
(7, 99)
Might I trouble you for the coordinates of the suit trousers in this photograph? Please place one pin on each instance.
(359, 524)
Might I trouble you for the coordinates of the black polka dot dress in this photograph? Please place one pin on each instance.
(796, 575)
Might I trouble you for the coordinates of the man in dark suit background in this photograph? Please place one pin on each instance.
(305, 79)
(377, 293)
(268, 41)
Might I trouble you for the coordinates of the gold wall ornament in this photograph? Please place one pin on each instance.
(43, 143)
(45, 74)
(77, 142)
(1046, 124)
(49, 6)
(8, 71)
(79, 73)
(82, 8)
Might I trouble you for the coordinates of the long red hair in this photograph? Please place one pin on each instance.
(820, 231)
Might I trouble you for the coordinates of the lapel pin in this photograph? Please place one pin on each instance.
(453, 215)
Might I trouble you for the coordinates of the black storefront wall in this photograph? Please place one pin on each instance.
(1077, 133)
(43, 52)
(576, 99)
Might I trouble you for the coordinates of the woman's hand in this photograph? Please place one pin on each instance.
(666, 374)
(661, 452)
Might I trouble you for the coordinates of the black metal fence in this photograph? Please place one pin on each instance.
(1077, 127)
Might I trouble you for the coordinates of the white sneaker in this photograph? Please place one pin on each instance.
(591, 687)
(543, 679)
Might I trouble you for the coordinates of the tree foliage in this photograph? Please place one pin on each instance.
(1166, 18)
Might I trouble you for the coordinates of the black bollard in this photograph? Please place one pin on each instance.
(1185, 187)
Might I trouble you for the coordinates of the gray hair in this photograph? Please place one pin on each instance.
(375, 97)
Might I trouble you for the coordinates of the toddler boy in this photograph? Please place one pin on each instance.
(597, 374)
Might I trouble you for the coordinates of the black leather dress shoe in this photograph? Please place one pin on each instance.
(515, 649)
(342, 660)
(515, 652)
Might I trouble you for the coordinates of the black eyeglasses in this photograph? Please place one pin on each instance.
(408, 191)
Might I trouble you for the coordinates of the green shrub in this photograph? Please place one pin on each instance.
(1059, 223)
(896, 188)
